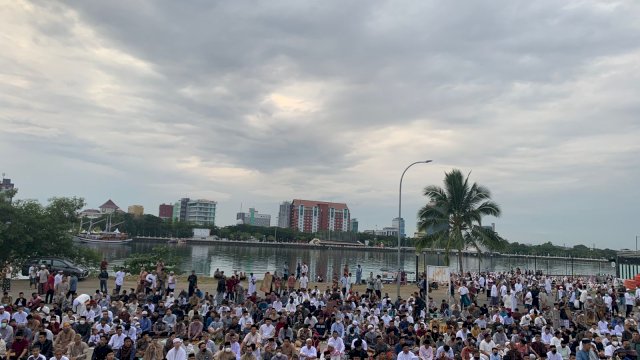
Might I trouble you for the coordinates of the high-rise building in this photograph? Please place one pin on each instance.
(180, 210)
(284, 215)
(354, 225)
(201, 212)
(109, 207)
(136, 210)
(252, 217)
(165, 211)
(6, 185)
(312, 216)
(398, 223)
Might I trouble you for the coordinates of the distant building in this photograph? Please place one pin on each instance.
(165, 211)
(398, 223)
(136, 210)
(252, 217)
(354, 225)
(6, 185)
(180, 210)
(201, 212)
(312, 216)
(491, 227)
(90, 213)
(387, 231)
(108, 207)
(284, 215)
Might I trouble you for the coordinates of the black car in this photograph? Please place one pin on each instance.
(54, 264)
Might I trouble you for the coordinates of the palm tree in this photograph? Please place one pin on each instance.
(452, 219)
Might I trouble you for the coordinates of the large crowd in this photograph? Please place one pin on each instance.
(489, 316)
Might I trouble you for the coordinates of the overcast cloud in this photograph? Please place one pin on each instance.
(257, 102)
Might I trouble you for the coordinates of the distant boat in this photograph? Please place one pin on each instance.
(102, 237)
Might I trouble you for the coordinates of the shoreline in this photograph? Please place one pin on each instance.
(348, 247)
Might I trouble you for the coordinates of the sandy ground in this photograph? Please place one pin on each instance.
(208, 284)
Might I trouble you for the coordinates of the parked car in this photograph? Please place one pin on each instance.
(55, 264)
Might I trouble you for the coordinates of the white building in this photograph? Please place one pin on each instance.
(201, 212)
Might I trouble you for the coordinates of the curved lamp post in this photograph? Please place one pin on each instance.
(399, 276)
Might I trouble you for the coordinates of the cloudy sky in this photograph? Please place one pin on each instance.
(253, 103)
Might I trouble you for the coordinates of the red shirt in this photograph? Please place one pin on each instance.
(50, 282)
(19, 345)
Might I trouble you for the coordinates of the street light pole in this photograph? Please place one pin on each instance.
(399, 275)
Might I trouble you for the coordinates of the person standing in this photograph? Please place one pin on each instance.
(8, 271)
(377, 287)
(43, 276)
(103, 277)
(629, 301)
(344, 284)
(193, 282)
(171, 283)
(304, 281)
(73, 285)
(104, 264)
(252, 284)
(119, 280)
(359, 275)
(33, 277)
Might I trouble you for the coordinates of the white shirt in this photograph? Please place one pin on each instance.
(304, 282)
(116, 341)
(120, 278)
(277, 305)
(5, 316)
(486, 347)
(408, 356)
(337, 344)
(267, 331)
(179, 354)
(20, 318)
(306, 352)
(245, 322)
(629, 299)
(57, 279)
(552, 356)
(609, 350)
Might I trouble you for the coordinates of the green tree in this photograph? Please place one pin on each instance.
(148, 260)
(29, 229)
(452, 219)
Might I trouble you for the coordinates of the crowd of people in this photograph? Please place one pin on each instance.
(486, 316)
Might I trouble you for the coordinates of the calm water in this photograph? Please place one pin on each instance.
(205, 259)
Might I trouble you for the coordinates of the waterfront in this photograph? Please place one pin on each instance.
(251, 257)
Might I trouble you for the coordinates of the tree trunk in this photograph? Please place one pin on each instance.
(460, 261)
